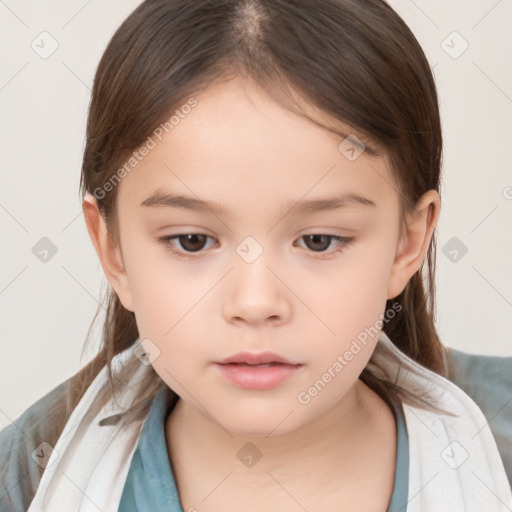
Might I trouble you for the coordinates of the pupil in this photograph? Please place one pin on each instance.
(189, 242)
(316, 238)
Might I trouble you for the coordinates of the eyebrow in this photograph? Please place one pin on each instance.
(166, 199)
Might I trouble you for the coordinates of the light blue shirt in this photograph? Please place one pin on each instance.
(150, 483)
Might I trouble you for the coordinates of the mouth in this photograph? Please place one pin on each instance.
(252, 359)
(263, 371)
(259, 365)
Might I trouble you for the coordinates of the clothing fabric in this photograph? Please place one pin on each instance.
(438, 480)
(150, 484)
(488, 381)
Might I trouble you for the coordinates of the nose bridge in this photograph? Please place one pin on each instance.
(252, 269)
(255, 293)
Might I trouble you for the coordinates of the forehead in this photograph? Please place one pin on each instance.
(237, 145)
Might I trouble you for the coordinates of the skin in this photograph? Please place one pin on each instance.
(240, 149)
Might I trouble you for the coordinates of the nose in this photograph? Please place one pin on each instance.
(255, 294)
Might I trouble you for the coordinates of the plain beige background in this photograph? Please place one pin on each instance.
(46, 308)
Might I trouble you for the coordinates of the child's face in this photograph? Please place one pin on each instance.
(258, 283)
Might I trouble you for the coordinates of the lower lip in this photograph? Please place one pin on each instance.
(257, 377)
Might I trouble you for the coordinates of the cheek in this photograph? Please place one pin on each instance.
(165, 302)
(162, 289)
(349, 297)
(350, 301)
(169, 303)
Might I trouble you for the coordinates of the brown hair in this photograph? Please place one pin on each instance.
(355, 60)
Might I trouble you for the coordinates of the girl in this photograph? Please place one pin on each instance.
(261, 184)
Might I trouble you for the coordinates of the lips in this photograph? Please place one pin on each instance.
(257, 371)
(263, 358)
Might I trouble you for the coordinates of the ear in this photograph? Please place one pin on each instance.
(109, 253)
(413, 244)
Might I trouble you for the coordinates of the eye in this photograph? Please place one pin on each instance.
(194, 242)
(319, 242)
(190, 242)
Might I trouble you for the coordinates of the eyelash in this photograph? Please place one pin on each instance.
(168, 242)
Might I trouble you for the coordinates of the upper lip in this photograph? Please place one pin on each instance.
(252, 358)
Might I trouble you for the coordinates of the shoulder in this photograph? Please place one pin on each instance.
(488, 381)
(20, 471)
